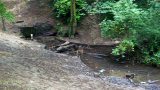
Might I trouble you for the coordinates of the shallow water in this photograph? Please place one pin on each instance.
(98, 57)
(142, 73)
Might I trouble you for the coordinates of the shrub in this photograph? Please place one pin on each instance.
(123, 47)
(148, 38)
(138, 28)
(127, 18)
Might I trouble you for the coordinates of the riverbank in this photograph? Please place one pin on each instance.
(26, 65)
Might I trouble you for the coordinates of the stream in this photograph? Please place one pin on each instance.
(98, 57)
(142, 73)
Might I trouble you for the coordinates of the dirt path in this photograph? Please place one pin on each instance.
(27, 66)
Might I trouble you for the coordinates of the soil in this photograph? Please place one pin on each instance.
(27, 65)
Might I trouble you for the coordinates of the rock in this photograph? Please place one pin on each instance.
(66, 43)
(130, 76)
(143, 82)
(64, 48)
(152, 81)
(96, 74)
(102, 71)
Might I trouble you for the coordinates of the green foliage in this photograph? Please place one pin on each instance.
(99, 8)
(127, 18)
(154, 60)
(62, 9)
(123, 47)
(137, 27)
(4, 13)
(148, 38)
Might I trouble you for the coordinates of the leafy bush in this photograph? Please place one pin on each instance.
(62, 9)
(148, 38)
(123, 47)
(137, 27)
(127, 18)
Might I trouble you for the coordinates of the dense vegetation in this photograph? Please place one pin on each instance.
(136, 25)
(62, 9)
(135, 22)
(70, 12)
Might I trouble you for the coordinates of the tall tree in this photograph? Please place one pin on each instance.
(5, 15)
(73, 21)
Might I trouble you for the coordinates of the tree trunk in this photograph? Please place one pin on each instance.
(73, 21)
(3, 24)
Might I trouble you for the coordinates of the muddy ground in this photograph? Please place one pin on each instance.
(25, 65)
